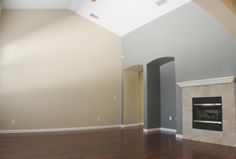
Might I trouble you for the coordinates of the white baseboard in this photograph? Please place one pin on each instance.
(159, 129)
(151, 130)
(131, 125)
(179, 136)
(20, 131)
(168, 130)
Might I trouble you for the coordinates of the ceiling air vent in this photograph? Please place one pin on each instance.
(94, 16)
(161, 2)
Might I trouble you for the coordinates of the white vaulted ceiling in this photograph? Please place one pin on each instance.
(36, 4)
(118, 16)
(123, 16)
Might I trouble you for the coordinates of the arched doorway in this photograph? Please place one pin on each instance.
(133, 104)
(160, 97)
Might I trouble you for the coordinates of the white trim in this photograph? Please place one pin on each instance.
(159, 129)
(179, 136)
(131, 125)
(57, 129)
(208, 81)
(151, 130)
(168, 130)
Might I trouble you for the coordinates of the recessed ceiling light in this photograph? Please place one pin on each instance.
(161, 2)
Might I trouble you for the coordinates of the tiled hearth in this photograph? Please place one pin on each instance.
(223, 87)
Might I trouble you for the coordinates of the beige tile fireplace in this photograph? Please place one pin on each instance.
(223, 87)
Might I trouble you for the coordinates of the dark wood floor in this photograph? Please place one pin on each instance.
(108, 144)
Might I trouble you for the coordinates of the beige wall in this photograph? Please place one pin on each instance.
(133, 97)
(141, 96)
(223, 10)
(0, 7)
(231, 4)
(57, 70)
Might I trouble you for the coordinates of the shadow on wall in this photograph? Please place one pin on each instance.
(133, 95)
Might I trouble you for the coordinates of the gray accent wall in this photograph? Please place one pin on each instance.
(179, 109)
(153, 97)
(154, 93)
(168, 95)
(202, 47)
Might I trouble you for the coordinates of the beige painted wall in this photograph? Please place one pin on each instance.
(231, 4)
(141, 96)
(57, 70)
(0, 7)
(223, 10)
(133, 97)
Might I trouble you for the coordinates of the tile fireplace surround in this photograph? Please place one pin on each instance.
(224, 87)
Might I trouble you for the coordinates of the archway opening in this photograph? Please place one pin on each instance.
(160, 110)
(133, 110)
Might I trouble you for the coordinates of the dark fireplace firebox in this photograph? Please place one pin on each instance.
(207, 113)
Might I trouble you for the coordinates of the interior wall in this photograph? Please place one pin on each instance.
(0, 7)
(231, 4)
(223, 10)
(153, 105)
(157, 90)
(133, 97)
(168, 95)
(235, 90)
(179, 110)
(141, 96)
(202, 47)
(57, 70)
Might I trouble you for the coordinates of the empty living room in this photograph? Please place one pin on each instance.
(117, 79)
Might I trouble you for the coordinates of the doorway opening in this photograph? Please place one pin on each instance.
(161, 95)
(133, 111)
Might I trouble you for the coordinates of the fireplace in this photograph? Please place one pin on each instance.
(213, 119)
(207, 113)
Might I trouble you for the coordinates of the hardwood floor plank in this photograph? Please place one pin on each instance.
(128, 143)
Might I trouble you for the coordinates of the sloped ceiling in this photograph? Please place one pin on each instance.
(0, 7)
(123, 16)
(117, 16)
(223, 10)
(231, 4)
(36, 4)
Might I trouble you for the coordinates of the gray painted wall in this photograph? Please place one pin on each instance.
(179, 110)
(153, 97)
(168, 95)
(202, 47)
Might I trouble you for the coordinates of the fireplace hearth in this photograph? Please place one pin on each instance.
(207, 113)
